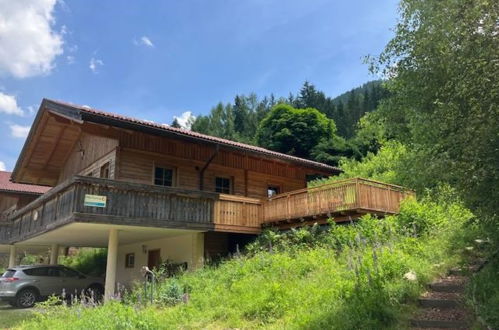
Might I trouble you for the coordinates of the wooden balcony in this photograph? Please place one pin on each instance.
(341, 200)
(133, 204)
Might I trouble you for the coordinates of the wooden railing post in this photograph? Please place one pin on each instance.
(288, 207)
(357, 193)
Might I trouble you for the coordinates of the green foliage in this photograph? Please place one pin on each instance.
(31, 259)
(346, 277)
(442, 65)
(236, 121)
(388, 165)
(239, 120)
(88, 261)
(294, 131)
(483, 294)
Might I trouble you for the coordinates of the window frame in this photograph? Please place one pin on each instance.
(272, 185)
(130, 263)
(105, 167)
(164, 167)
(231, 184)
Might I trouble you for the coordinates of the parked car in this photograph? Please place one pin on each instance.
(23, 286)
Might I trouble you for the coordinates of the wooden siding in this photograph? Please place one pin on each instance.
(196, 152)
(138, 166)
(97, 151)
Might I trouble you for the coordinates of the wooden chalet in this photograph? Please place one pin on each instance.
(150, 192)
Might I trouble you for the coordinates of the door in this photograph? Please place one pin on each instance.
(153, 259)
(72, 281)
(52, 283)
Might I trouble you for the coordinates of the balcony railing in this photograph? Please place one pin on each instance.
(155, 206)
(353, 195)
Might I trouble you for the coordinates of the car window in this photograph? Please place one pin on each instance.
(66, 272)
(9, 273)
(40, 271)
(54, 272)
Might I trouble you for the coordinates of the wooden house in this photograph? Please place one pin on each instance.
(150, 192)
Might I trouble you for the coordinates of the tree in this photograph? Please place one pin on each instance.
(444, 102)
(294, 131)
(176, 124)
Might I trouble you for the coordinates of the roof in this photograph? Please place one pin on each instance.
(7, 185)
(187, 133)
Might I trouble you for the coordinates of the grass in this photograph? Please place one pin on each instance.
(12, 317)
(348, 277)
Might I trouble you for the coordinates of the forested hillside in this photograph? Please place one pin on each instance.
(242, 119)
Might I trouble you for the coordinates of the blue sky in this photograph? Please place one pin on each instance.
(158, 59)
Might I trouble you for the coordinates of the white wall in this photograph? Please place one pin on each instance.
(182, 248)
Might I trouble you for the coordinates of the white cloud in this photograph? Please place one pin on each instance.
(2, 166)
(70, 59)
(19, 131)
(145, 41)
(95, 63)
(8, 105)
(32, 109)
(186, 119)
(28, 43)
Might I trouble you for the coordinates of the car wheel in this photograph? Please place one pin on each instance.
(26, 298)
(96, 291)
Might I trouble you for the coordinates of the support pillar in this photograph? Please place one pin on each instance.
(12, 256)
(112, 258)
(54, 254)
(197, 250)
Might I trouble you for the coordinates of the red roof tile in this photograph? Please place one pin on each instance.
(7, 185)
(180, 131)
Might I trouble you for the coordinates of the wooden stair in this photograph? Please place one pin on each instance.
(441, 307)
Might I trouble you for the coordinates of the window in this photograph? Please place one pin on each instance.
(273, 190)
(130, 260)
(53, 272)
(104, 171)
(223, 185)
(9, 273)
(163, 176)
(42, 271)
(66, 272)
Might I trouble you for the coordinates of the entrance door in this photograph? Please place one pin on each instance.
(153, 259)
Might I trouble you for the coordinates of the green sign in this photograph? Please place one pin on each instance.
(95, 200)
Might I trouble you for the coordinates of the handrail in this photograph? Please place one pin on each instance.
(340, 183)
(349, 194)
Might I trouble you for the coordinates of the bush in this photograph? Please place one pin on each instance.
(88, 261)
(483, 293)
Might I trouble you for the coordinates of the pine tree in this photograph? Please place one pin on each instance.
(176, 124)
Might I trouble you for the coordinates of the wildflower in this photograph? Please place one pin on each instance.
(411, 276)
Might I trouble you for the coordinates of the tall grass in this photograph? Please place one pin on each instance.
(363, 275)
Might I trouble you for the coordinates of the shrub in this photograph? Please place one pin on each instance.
(88, 261)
